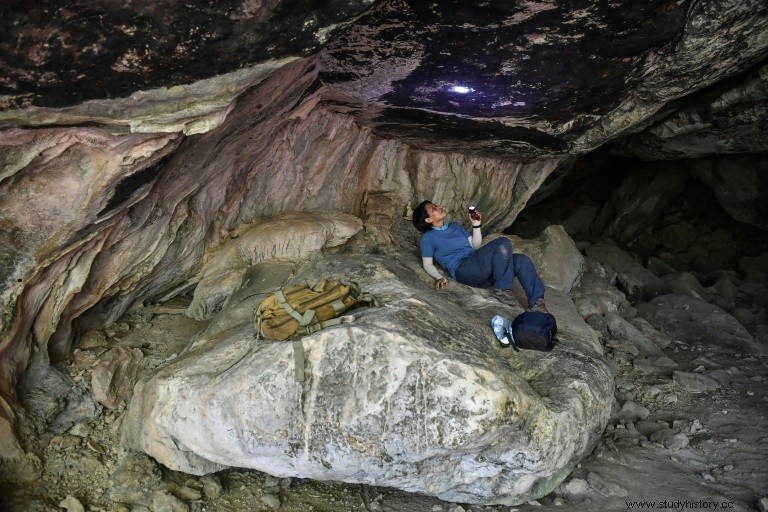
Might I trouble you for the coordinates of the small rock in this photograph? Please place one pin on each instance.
(708, 477)
(576, 486)
(668, 398)
(662, 436)
(720, 376)
(188, 493)
(72, 504)
(762, 504)
(706, 363)
(648, 427)
(161, 500)
(665, 363)
(271, 501)
(694, 382)
(80, 430)
(634, 411)
(211, 486)
(677, 442)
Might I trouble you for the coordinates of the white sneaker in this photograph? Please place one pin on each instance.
(499, 325)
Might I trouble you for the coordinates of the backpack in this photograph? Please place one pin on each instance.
(530, 330)
(302, 309)
(534, 330)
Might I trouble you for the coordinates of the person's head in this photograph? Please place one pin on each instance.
(427, 215)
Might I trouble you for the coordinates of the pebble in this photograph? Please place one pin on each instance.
(677, 442)
(694, 382)
(708, 477)
(576, 486)
(163, 501)
(188, 493)
(271, 501)
(72, 504)
(668, 398)
(211, 486)
(634, 411)
(762, 505)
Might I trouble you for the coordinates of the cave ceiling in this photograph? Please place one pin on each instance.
(533, 79)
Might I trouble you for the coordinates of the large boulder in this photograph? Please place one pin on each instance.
(557, 260)
(416, 394)
(695, 321)
(634, 279)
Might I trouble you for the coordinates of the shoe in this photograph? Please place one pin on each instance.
(500, 325)
(506, 297)
(540, 306)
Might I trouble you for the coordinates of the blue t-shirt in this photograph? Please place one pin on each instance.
(447, 246)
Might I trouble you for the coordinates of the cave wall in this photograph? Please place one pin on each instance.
(118, 181)
(135, 216)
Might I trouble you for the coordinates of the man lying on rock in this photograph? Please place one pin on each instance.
(471, 263)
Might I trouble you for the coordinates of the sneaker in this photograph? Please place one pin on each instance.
(506, 297)
(499, 325)
(540, 306)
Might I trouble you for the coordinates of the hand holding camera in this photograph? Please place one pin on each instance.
(475, 216)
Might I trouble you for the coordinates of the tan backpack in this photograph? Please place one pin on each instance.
(302, 309)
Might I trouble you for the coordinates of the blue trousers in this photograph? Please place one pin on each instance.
(495, 265)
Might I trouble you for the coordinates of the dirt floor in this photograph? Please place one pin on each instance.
(712, 453)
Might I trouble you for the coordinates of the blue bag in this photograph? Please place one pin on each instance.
(532, 330)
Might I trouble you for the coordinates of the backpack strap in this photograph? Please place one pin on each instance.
(298, 360)
(305, 321)
(317, 326)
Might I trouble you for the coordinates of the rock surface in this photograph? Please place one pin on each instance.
(694, 321)
(415, 394)
(120, 200)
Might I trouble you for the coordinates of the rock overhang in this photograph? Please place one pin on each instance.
(529, 80)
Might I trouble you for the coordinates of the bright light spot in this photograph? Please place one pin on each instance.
(461, 89)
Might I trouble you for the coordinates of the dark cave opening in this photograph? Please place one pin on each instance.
(692, 232)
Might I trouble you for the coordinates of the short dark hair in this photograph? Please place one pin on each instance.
(420, 217)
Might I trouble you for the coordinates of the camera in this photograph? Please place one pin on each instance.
(473, 213)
